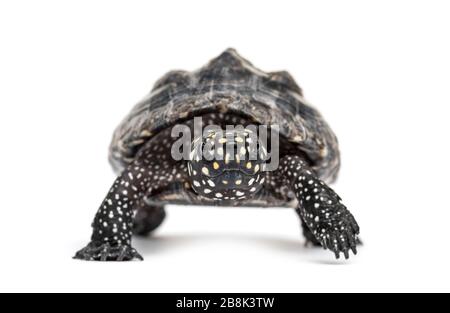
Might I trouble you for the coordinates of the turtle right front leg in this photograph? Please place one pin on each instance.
(310, 239)
(321, 208)
(113, 224)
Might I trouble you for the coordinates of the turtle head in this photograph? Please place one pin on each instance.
(227, 165)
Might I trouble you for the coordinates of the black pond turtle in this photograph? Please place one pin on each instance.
(229, 90)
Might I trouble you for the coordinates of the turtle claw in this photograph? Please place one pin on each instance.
(342, 238)
(341, 242)
(105, 252)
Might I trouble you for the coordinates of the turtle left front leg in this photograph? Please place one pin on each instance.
(113, 223)
(321, 209)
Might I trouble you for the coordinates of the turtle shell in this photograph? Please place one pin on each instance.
(229, 84)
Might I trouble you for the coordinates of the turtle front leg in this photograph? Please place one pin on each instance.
(310, 239)
(320, 208)
(113, 224)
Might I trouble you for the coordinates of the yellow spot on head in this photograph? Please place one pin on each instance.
(216, 165)
(146, 133)
(249, 165)
(298, 139)
(238, 182)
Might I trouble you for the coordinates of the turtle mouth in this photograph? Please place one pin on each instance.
(235, 180)
(229, 185)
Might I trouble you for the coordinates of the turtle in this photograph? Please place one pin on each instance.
(222, 160)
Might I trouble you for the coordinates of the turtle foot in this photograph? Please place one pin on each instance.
(105, 252)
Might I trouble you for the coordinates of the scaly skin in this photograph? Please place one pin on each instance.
(321, 208)
(114, 224)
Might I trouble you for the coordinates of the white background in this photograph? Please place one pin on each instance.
(379, 71)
